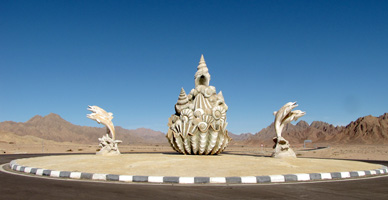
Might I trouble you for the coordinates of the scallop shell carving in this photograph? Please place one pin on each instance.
(209, 91)
(194, 142)
(177, 128)
(199, 112)
(212, 141)
(199, 124)
(207, 118)
(187, 115)
(202, 126)
(219, 113)
(201, 102)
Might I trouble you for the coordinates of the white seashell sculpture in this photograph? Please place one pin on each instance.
(199, 123)
(282, 117)
(108, 144)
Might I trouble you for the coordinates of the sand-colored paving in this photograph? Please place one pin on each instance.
(159, 164)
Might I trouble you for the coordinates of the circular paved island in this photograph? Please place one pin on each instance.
(177, 168)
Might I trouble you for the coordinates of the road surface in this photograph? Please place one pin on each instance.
(30, 187)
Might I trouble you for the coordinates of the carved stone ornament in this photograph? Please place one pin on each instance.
(109, 146)
(282, 117)
(199, 124)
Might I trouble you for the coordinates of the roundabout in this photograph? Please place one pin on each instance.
(174, 168)
(17, 185)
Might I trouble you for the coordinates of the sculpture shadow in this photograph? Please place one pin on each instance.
(241, 154)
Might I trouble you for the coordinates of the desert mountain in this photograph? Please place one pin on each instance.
(11, 138)
(365, 130)
(53, 127)
(240, 137)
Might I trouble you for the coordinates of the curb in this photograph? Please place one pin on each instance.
(199, 180)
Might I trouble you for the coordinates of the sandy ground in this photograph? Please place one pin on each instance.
(352, 152)
(6, 148)
(171, 164)
(360, 152)
(237, 160)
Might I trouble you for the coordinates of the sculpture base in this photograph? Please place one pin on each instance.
(107, 152)
(108, 146)
(200, 143)
(282, 149)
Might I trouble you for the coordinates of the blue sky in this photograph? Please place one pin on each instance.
(132, 57)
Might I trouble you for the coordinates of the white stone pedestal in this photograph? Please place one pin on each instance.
(282, 149)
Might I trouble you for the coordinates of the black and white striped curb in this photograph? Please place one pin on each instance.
(199, 180)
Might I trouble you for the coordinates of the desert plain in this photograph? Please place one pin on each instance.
(363, 139)
(162, 160)
(15, 144)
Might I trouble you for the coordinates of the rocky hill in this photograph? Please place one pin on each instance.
(365, 130)
(53, 127)
(240, 137)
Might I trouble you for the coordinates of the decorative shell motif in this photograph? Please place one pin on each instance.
(199, 123)
(187, 115)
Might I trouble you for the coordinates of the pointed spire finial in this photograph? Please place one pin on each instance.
(182, 99)
(202, 76)
(202, 59)
(202, 63)
(183, 90)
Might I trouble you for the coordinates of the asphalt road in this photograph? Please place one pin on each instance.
(23, 187)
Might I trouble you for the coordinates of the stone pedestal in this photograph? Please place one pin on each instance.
(108, 146)
(282, 148)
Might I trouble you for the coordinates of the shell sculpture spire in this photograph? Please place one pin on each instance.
(199, 124)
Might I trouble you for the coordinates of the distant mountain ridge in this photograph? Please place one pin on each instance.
(54, 127)
(365, 130)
